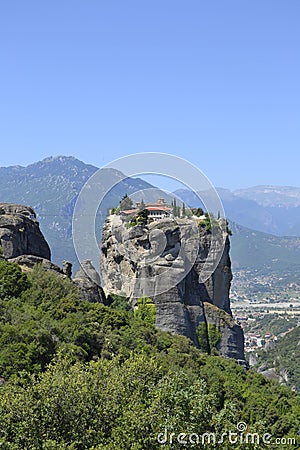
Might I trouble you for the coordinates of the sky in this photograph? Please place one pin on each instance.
(215, 82)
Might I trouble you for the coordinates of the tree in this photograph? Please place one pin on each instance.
(125, 203)
(142, 205)
(198, 212)
(142, 218)
(12, 281)
(202, 337)
(146, 310)
(175, 208)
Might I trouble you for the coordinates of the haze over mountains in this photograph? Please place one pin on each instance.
(270, 209)
(51, 187)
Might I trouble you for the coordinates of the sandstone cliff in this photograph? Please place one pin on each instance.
(136, 262)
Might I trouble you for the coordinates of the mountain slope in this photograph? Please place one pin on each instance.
(254, 249)
(270, 209)
(51, 187)
(280, 196)
(284, 358)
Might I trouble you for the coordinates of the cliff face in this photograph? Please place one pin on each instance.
(148, 261)
(20, 233)
(23, 243)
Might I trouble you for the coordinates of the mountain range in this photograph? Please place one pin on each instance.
(269, 209)
(258, 215)
(51, 187)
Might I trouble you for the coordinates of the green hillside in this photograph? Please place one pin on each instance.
(285, 357)
(79, 375)
(254, 249)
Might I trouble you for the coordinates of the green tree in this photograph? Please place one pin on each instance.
(214, 337)
(175, 208)
(142, 205)
(12, 281)
(198, 212)
(202, 337)
(146, 310)
(125, 203)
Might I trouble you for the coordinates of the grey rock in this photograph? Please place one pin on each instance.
(20, 233)
(87, 279)
(67, 268)
(27, 262)
(232, 340)
(166, 261)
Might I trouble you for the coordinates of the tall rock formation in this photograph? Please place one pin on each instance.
(20, 233)
(136, 262)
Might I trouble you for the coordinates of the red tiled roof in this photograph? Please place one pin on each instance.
(158, 208)
(130, 211)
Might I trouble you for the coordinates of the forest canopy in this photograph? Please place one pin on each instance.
(80, 375)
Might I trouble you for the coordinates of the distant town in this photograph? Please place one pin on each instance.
(258, 300)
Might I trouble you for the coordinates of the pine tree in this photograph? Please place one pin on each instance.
(126, 203)
(142, 205)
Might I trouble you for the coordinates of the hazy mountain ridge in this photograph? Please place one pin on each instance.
(51, 187)
(269, 209)
(255, 249)
(276, 196)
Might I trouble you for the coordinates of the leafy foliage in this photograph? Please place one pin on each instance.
(146, 310)
(12, 280)
(202, 337)
(284, 357)
(83, 375)
(125, 203)
(198, 212)
(214, 336)
(140, 219)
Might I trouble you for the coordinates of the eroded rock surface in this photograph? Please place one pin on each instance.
(150, 261)
(20, 233)
(87, 280)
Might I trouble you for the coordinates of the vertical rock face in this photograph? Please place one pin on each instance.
(149, 261)
(87, 280)
(20, 233)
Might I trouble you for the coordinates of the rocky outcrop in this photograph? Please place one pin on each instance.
(149, 261)
(27, 262)
(20, 233)
(232, 341)
(87, 280)
(23, 243)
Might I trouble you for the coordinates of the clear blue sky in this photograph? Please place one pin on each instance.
(216, 82)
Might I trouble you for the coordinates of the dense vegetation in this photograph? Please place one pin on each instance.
(272, 323)
(284, 357)
(80, 375)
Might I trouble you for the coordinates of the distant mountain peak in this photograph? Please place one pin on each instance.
(61, 158)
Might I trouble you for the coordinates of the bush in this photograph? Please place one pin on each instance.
(12, 281)
(145, 310)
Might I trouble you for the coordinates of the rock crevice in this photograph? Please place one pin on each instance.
(135, 262)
